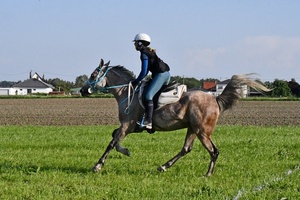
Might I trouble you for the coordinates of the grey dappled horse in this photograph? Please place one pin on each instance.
(196, 110)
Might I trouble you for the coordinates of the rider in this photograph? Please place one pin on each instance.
(160, 74)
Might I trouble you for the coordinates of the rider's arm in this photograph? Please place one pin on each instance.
(144, 70)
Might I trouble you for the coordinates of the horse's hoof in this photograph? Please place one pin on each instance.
(123, 150)
(126, 152)
(208, 174)
(96, 168)
(162, 169)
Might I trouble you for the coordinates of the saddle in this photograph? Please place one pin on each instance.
(166, 95)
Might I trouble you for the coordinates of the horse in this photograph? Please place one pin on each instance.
(196, 111)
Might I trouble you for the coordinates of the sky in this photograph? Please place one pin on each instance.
(197, 38)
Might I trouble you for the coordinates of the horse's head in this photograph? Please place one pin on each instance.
(96, 81)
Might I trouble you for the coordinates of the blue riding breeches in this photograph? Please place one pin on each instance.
(157, 82)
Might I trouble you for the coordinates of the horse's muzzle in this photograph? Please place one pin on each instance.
(85, 91)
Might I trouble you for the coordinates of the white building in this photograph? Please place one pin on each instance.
(33, 85)
(221, 86)
(6, 91)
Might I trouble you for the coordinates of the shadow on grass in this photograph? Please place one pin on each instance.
(30, 169)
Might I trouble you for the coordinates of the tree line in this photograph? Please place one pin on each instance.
(280, 88)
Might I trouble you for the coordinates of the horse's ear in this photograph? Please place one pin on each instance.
(101, 63)
(106, 64)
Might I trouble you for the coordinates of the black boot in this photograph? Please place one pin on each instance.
(149, 113)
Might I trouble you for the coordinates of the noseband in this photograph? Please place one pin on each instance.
(99, 78)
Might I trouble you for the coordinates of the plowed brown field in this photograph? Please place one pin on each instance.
(104, 111)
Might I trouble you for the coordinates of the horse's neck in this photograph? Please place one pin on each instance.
(120, 93)
(116, 79)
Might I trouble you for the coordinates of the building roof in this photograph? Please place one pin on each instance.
(207, 85)
(225, 82)
(34, 82)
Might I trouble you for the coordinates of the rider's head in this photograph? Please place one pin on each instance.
(141, 39)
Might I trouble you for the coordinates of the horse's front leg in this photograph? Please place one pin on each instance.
(122, 150)
(118, 135)
(101, 161)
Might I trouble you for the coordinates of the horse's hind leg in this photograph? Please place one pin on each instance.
(187, 147)
(119, 148)
(212, 150)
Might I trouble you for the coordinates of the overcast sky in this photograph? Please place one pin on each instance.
(197, 38)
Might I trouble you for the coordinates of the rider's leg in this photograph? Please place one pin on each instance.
(149, 113)
(158, 81)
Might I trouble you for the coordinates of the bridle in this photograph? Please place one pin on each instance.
(100, 77)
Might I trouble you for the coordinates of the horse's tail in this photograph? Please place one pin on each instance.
(233, 91)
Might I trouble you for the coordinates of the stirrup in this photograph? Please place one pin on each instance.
(142, 125)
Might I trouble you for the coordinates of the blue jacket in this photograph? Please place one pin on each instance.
(150, 62)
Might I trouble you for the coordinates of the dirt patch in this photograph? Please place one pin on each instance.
(263, 113)
(64, 111)
(104, 111)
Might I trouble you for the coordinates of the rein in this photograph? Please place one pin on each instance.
(100, 78)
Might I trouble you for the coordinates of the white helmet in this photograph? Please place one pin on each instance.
(142, 37)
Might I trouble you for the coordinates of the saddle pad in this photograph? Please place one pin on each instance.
(171, 96)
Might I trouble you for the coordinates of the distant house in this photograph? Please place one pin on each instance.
(30, 86)
(75, 91)
(222, 85)
(5, 91)
(209, 85)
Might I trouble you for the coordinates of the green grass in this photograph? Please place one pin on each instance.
(54, 162)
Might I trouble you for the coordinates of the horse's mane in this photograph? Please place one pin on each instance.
(122, 72)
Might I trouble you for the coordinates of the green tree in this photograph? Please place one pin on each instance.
(8, 83)
(190, 82)
(280, 88)
(80, 80)
(295, 87)
(61, 85)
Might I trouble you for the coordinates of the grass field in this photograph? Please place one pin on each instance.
(54, 162)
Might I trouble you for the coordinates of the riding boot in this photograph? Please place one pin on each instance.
(149, 113)
(147, 123)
